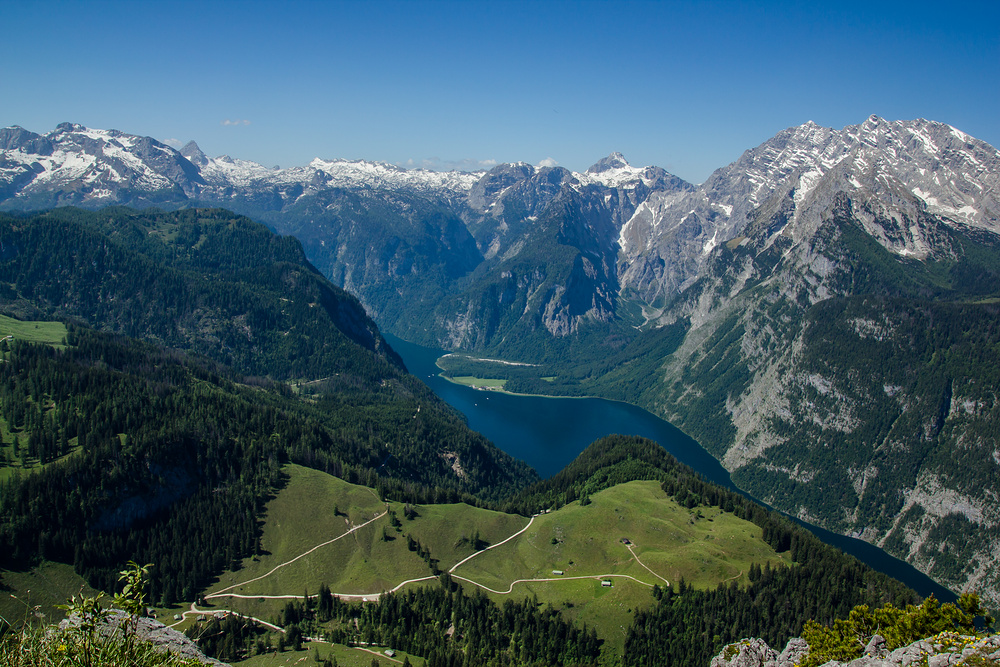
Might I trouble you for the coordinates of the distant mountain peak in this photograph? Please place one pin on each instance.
(873, 122)
(614, 161)
(193, 153)
(69, 127)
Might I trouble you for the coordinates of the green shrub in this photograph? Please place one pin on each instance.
(846, 639)
(87, 644)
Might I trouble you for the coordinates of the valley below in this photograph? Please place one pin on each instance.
(548, 432)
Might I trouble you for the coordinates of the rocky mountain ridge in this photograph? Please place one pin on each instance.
(655, 231)
(905, 165)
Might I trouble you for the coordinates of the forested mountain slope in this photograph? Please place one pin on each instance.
(206, 281)
(119, 447)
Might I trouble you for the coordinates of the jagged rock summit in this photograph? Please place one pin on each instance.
(789, 183)
(614, 161)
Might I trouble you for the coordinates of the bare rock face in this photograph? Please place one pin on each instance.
(794, 651)
(876, 647)
(756, 653)
(941, 650)
(152, 631)
(746, 653)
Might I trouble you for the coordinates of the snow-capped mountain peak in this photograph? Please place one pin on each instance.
(898, 166)
(614, 161)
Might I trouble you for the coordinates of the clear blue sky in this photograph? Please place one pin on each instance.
(687, 86)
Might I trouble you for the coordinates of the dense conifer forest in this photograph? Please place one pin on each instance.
(128, 451)
(447, 625)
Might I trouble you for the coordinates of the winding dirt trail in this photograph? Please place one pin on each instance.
(631, 551)
(494, 546)
(370, 597)
(525, 581)
(221, 593)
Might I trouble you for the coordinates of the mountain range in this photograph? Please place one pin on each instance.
(820, 315)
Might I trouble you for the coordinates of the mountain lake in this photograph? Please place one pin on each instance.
(548, 433)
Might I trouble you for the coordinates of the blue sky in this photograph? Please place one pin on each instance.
(687, 86)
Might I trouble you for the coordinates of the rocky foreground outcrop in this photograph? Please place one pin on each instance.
(940, 650)
(151, 631)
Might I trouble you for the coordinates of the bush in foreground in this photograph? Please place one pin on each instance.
(94, 636)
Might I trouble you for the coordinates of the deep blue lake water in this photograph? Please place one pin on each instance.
(548, 433)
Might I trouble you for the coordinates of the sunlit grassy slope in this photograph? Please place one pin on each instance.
(52, 333)
(345, 656)
(703, 546)
(362, 562)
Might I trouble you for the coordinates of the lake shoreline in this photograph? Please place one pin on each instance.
(549, 435)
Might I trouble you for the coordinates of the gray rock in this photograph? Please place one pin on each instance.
(876, 647)
(940, 651)
(746, 653)
(794, 651)
(152, 631)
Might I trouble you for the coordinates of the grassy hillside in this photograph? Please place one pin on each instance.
(705, 546)
(302, 516)
(43, 586)
(52, 333)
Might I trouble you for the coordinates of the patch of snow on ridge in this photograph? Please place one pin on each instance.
(926, 196)
(710, 243)
(615, 177)
(958, 134)
(63, 165)
(97, 135)
(807, 183)
(351, 172)
(238, 172)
